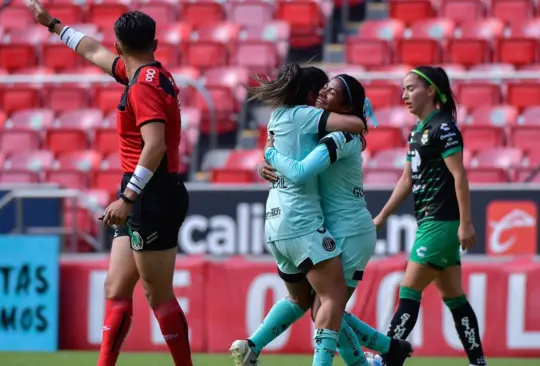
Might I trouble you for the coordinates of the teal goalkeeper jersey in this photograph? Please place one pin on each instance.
(294, 209)
(338, 161)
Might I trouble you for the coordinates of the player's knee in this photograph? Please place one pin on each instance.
(118, 287)
(301, 301)
(157, 294)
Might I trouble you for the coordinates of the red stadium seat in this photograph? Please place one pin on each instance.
(501, 115)
(462, 10)
(527, 175)
(85, 119)
(512, 10)
(112, 162)
(67, 179)
(411, 10)
(523, 94)
(381, 29)
(526, 138)
(70, 14)
(202, 12)
(500, 157)
(161, 12)
(107, 180)
(382, 176)
(384, 137)
(389, 159)
(3, 118)
(476, 94)
(257, 57)
(251, 13)
(82, 160)
(174, 33)
(204, 55)
(482, 137)
(487, 175)
(396, 117)
(18, 140)
(107, 97)
(521, 48)
(18, 177)
(383, 94)
(306, 20)
(277, 32)
(16, 56)
(105, 15)
(168, 54)
(367, 52)
(219, 32)
(32, 160)
(18, 97)
(236, 176)
(59, 57)
(16, 16)
(472, 45)
(32, 35)
(423, 46)
(63, 98)
(530, 116)
(33, 119)
(106, 140)
(244, 159)
(66, 139)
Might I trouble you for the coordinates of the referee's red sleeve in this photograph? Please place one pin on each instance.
(147, 103)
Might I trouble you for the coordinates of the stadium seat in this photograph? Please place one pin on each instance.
(70, 14)
(202, 12)
(31, 160)
(15, 56)
(482, 137)
(523, 94)
(161, 12)
(81, 160)
(112, 162)
(105, 15)
(204, 55)
(396, 117)
(384, 137)
(501, 116)
(411, 10)
(33, 119)
(107, 97)
(461, 11)
(476, 94)
(67, 179)
(527, 175)
(85, 119)
(17, 98)
(487, 175)
(224, 33)
(526, 138)
(499, 157)
(16, 16)
(521, 48)
(168, 54)
(257, 57)
(174, 33)
(473, 42)
(57, 56)
(106, 140)
(32, 35)
(18, 177)
(64, 98)
(381, 176)
(423, 42)
(18, 140)
(3, 118)
(530, 116)
(277, 32)
(383, 94)
(63, 139)
(107, 180)
(389, 159)
(250, 13)
(306, 20)
(512, 10)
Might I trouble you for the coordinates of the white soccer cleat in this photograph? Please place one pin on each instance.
(242, 354)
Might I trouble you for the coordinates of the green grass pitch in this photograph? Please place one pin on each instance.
(161, 359)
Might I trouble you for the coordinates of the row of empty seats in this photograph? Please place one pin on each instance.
(306, 18)
(436, 40)
(463, 10)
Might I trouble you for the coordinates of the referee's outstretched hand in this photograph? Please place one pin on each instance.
(466, 235)
(40, 13)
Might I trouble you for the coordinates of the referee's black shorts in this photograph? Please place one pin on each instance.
(157, 215)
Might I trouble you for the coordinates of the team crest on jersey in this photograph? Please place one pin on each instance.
(136, 241)
(329, 244)
(424, 139)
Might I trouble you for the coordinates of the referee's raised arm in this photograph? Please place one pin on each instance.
(87, 47)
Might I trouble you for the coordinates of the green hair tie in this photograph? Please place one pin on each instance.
(442, 96)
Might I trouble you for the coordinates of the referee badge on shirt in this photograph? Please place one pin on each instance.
(424, 139)
(329, 244)
(136, 241)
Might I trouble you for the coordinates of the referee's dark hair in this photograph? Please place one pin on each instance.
(355, 97)
(136, 32)
(294, 85)
(444, 96)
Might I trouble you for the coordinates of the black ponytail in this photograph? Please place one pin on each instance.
(444, 96)
(355, 96)
(292, 87)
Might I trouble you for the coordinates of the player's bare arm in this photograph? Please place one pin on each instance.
(346, 123)
(87, 47)
(466, 232)
(399, 195)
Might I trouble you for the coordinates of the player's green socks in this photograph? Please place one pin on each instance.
(325, 347)
(349, 348)
(367, 336)
(406, 315)
(281, 316)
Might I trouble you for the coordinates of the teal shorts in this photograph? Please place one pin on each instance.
(357, 250)
(296, 256)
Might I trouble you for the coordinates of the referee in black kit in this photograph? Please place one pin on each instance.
(153, 201)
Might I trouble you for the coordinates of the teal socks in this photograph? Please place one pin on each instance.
(367, 336)
(325, 347)
(279, 319)
(349, 348)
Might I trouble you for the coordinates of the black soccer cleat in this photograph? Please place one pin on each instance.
(399, 351)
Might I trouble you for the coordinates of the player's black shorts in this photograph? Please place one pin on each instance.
(158, 213)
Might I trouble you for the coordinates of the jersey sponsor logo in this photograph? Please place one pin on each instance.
(511, 227)
(279, 184)
(445, 127)
(329, 244)
(448, 136)
(150, 75)
(425, 137)
(358, 192)
(416, 161)
(273, 213)
(421, 252)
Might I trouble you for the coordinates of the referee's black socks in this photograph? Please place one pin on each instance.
(406, 315)
(467, 328)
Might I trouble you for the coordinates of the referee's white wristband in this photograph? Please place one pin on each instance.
(71, 37)
(139, 179)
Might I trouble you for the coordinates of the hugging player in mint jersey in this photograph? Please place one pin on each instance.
(337, 161)
(434, 172)
(302, 247)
